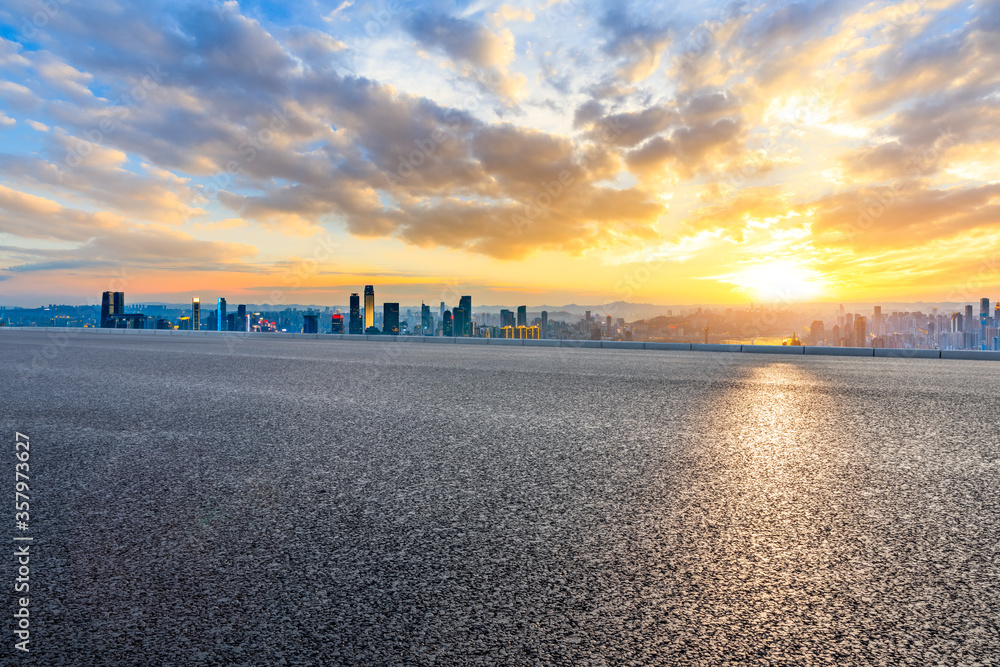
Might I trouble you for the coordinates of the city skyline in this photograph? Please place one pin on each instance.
(591, 152)
(964, 328)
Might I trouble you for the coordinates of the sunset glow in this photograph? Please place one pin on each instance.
(528, 151)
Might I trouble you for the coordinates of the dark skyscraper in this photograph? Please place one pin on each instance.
(465, 303)
(369, 306)
(108, 300)
(310, 323)
(506, 318)
(222, 314)
(337, 323)
(984, 312)
(545, 324)
(241, 318)
(119, 303)
(970, 325)
(196, 314)
(446, 323)
(426, 328)
(522, 316)
(459, 319)
(390, 319)
(607, 328)
(354, 325)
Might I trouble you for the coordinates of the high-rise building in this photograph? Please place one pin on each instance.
(369, 306)
(242, 324)
(446, 324)
(112, 304)
(390, 319)
(196, 314)
(607, 329)
(587, 318)
(119, 303)
(969, 321)
(221, 319)
(545, 324)
(506, 318)
(426, 323)
(337, 323)
(459, 319)
(522, 316)
(354, 325)
(860, 331)
(310, 323)
(441, 312)
(465, 303)
(817, 332)
(877, 320)
(984, 312)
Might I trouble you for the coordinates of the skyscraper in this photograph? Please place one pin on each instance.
(446, 324)
(969, 321)
(426, 327)
(110, 304)
(506, 318)
(860, 332)
(390, 319)
(221, 319)
(459, 318)
(196, 314)
(877, 320)
(984, 312)
(545, 324)
(310, 323)
(337, 323)
(522, 316)
(369, 306)
(607, 329)
(354, 325)
(465, 303)
(241, 318)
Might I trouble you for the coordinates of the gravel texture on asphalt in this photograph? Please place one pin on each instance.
(229, 501)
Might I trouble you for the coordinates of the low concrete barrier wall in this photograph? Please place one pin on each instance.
(773, 349)
(714, 347)
(907, 354)
(839, 351)
(974, 355)
(667, 346)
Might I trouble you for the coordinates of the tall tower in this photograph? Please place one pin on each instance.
(221, 319)
(369, 306)
(241, 318)
(545, 324)
(522, 316)
(425, 319)
(196, 314)
(390, 319)
(465, 303)
(106, 307)
(459, 319)
(446, 324)
(354, 324)
(119, 303)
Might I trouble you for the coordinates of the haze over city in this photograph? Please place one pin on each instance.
(541, 153)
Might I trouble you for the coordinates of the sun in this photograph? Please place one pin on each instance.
(783, 280)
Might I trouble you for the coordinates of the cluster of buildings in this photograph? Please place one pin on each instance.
(948, 330)
(966, 330)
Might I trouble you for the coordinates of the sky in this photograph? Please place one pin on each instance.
(542, 152)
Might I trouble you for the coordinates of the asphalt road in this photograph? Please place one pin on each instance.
(269, 502)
